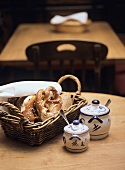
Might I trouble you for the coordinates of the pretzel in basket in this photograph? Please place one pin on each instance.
(48, 102)
(36, 133)
(27, 108)
(44, 104)
(41, 106)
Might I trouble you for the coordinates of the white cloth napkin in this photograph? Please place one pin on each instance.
(80, 16)
(25, 88)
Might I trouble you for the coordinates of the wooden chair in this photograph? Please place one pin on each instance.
(119, 79)
(70, 55)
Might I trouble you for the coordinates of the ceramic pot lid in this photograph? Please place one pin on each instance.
(94, 109)
(76, 128)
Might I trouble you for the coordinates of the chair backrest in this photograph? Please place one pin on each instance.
(71, 51)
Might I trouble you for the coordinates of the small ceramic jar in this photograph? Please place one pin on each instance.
(96, 117)
(76, 136)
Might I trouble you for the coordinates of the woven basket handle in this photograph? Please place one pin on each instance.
(13, 108)
(73, 78)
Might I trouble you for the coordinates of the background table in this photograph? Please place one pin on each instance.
(108, 153)
(26, 34)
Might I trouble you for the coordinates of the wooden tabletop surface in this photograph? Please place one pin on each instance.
(26, 34)
(108, 153)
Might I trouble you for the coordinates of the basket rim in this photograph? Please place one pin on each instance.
(4, 115)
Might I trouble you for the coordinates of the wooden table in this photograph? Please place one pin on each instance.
(26, 34)
(108, 153)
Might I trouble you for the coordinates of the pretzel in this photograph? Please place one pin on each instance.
(48, 102)
(27, 108)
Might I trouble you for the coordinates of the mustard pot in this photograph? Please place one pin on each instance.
(96, 117)
(76, 136)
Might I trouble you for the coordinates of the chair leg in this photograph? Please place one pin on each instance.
(1, 75)
(83, 76)
(97, 71)
(36, 72)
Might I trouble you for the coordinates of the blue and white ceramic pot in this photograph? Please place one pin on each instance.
(76, 136)
(96, 117)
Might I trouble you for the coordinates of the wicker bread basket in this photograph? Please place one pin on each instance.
(15, 125)
(72, 26)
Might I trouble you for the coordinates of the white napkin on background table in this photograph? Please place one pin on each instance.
(80, 16)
